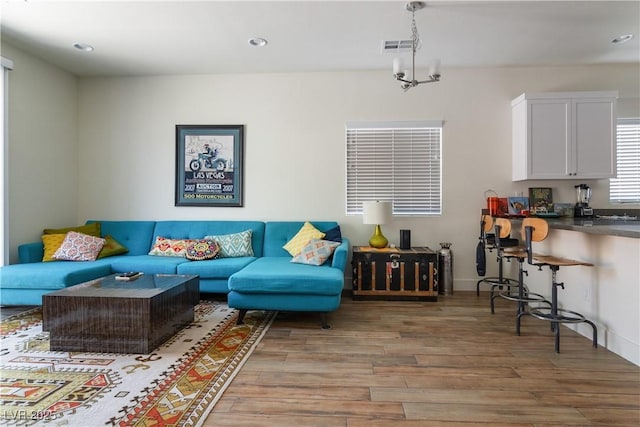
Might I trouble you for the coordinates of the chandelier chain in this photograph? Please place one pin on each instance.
(415, 37)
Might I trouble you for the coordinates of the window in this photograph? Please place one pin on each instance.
(626, 187)
(395, 161)
(5, 66)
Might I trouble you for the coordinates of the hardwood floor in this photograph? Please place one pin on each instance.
(412, 364)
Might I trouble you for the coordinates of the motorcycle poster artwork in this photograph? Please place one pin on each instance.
(209, 160)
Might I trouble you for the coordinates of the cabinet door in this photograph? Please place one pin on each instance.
(594, 129)
(549, 138)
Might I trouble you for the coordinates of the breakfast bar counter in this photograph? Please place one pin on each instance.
(607, 293)
(603, 227)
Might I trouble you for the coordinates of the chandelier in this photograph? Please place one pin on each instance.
(398, 73)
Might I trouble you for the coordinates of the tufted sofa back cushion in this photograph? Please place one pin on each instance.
(134, 235)
(199, 229)
(278, 233)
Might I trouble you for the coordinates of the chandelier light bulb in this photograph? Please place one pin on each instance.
(397, 65)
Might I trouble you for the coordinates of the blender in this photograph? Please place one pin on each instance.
(582, 209)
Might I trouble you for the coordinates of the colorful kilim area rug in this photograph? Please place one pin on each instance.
(176, 385)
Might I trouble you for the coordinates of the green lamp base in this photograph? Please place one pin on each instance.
(378, 241)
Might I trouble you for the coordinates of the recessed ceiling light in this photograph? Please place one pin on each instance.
(258, 42)
(83, 47)
(622, 39)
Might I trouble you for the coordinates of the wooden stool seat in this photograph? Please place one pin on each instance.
(521, 252)
(558, 261)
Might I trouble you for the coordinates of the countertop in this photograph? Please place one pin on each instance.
(604, 227)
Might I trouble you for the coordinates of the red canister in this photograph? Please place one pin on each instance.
(493, 204)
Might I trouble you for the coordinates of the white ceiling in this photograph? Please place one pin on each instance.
(185, 37)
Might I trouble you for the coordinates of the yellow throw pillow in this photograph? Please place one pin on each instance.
(302, 237)
(92, 229)
(51, 244)
(112, 247)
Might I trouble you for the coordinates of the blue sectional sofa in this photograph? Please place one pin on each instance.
(266, 281)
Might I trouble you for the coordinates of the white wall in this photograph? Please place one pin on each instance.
(294, 153)
(43, 150)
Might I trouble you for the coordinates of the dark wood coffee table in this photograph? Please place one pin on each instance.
(110, 316)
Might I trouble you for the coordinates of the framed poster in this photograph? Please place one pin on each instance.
(209, 165)
(518, 206)
(540, 200)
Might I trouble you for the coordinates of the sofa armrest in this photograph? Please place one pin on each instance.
(30, 252)
(340, 255)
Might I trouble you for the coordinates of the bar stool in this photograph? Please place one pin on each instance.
(536, 230)
(489, 242)
(521, 295)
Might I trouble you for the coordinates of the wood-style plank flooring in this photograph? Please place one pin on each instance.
(409, 364)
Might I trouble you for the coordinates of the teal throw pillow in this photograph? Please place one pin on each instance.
(233, 245)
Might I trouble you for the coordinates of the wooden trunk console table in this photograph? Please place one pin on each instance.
(393, 273)
(110, 316)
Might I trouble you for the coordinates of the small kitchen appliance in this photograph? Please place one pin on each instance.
(582, 208)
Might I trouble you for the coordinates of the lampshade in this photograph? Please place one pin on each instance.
(376, 212)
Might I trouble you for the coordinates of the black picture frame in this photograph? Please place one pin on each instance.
(209, 165)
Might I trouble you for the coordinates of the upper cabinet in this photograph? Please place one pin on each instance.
(564, 135)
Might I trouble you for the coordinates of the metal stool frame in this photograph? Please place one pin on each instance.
(486, 222)
(523, 296)
(553, 314)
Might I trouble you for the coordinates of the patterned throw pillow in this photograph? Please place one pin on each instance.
(202, 249)
(51, 243)
(316, 252)
(170, 247)
(302, 237)
(233, 245)
(79, 247)
(112, 247)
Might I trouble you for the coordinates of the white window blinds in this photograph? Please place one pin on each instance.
(395, 161)
(626, 187)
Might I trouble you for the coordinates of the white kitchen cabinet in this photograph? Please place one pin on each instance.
(564, 135)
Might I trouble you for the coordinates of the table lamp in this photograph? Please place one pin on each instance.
(377, 213)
